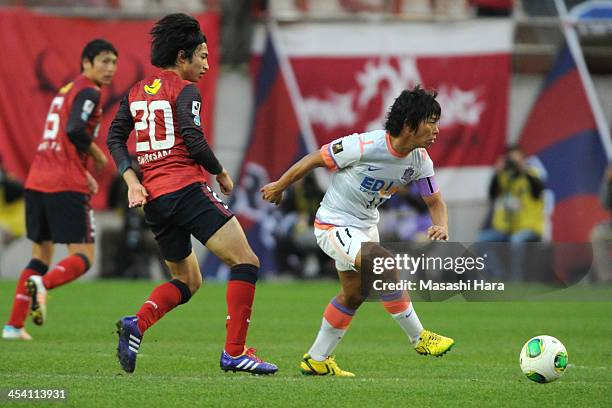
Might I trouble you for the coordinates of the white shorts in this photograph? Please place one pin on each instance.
(342, 244)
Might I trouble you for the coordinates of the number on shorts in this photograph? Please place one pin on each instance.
(344, 239)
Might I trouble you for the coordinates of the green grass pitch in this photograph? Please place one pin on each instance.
(179, 361)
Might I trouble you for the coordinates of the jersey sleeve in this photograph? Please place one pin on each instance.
(427, 168)
(425, 180)
(83, 105)
(343, 152)
(119, 131)
(188, 105)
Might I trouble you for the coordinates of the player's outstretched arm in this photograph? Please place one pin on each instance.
(439, 217)
(273, 192)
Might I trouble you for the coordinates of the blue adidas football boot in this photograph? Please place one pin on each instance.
(247, 362)
(129, 342)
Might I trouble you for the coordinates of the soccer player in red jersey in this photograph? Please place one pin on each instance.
(164, 110)
(59, 186)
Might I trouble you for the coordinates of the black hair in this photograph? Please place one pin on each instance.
(174, 33)
(411, 108)
(95, 47)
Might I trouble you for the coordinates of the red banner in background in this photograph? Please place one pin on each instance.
(41, 53)
(349, 74)
(472, 91)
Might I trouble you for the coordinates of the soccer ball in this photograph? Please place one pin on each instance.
(543, 359)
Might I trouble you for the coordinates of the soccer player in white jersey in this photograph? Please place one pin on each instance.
(368, 169)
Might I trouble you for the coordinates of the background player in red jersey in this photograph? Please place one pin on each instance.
(164, 109)
(59, 186)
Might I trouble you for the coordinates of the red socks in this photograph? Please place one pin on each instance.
(21, 303)
(239, 296)
(163, 299)
(67, 270)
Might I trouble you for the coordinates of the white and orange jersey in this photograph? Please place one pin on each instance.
(368, 171)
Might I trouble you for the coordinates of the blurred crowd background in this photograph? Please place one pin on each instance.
(507, 189)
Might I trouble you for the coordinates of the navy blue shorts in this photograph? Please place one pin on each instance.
(64, 218)
(193, 210)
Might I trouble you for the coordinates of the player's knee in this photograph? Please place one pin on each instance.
(194, 287)
(253, 260)
(247, 257)
(195, 283)
(186, 279)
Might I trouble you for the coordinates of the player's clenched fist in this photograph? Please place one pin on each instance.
(272, 193)
(437, 233)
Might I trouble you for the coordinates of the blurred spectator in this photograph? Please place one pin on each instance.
(296, 248)
(601, 237)
(493, 8)
(12, 209)
(516, 194)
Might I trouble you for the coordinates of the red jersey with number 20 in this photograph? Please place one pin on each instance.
(58, 165)
(162, 154)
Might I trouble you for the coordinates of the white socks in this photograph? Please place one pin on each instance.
(329, 336)
(326, 341)
(410, 323)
